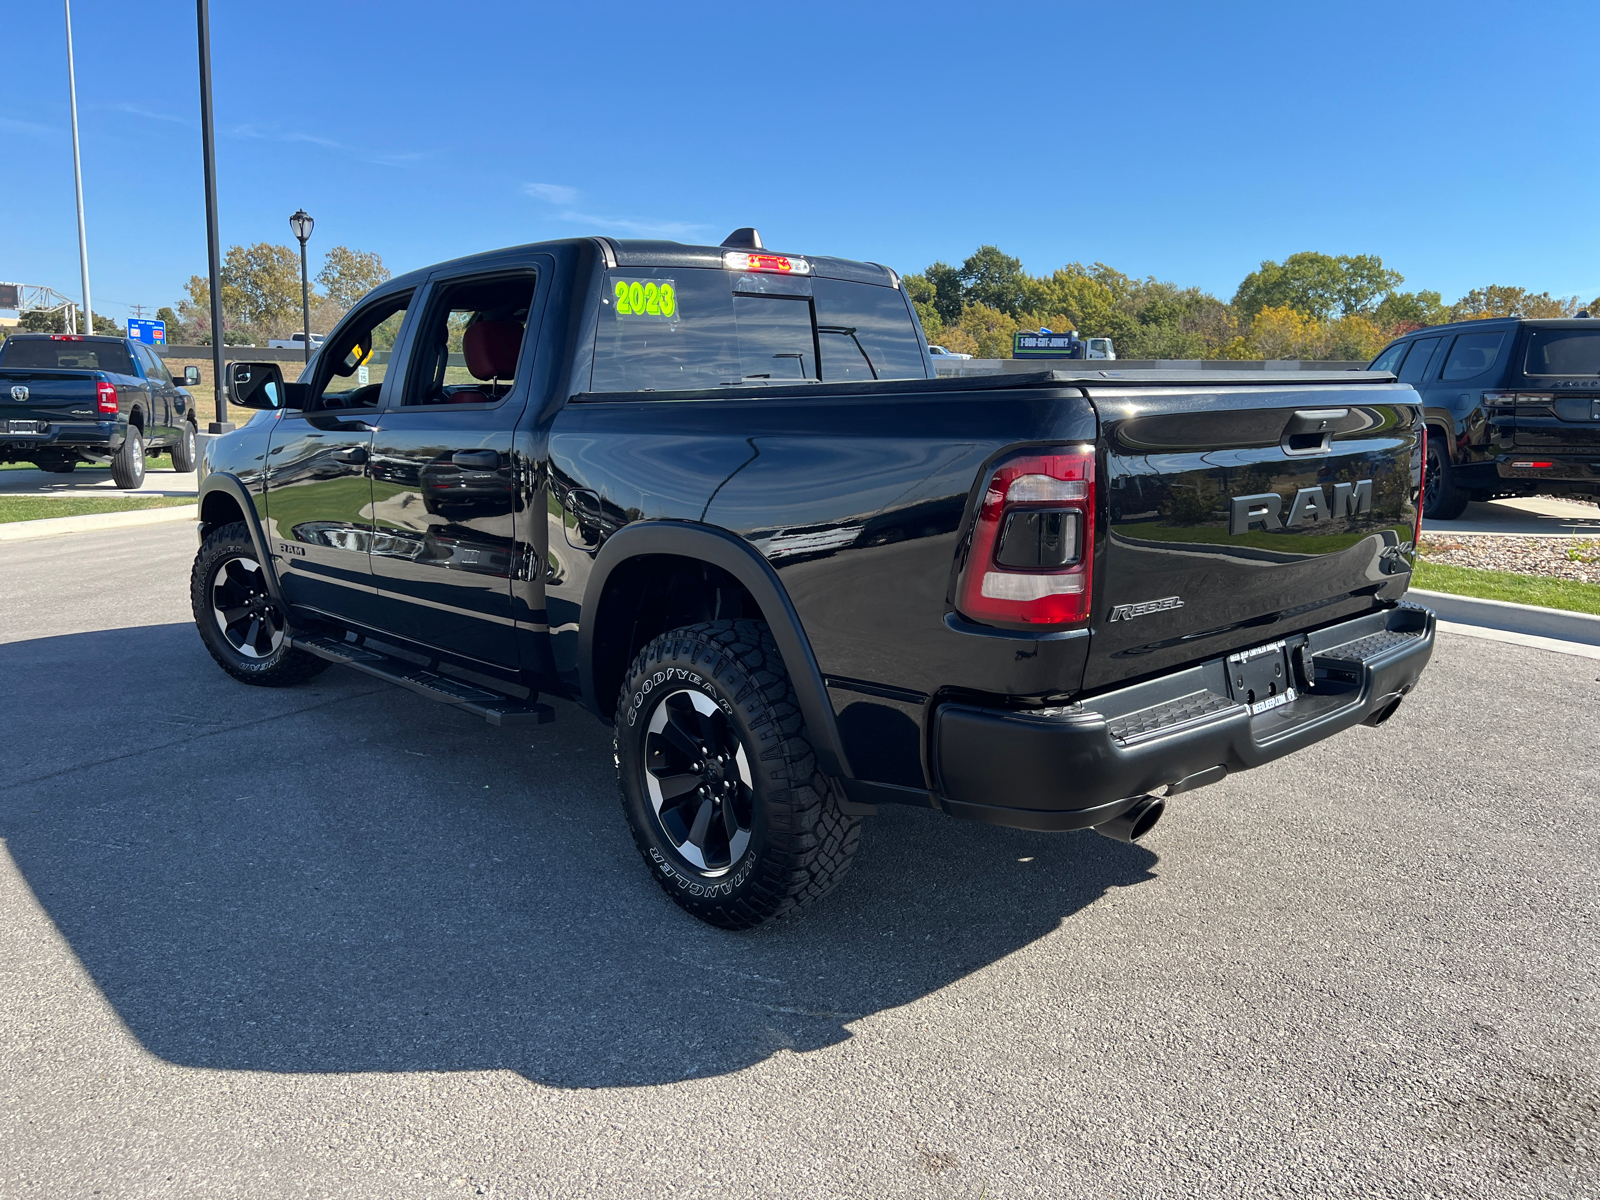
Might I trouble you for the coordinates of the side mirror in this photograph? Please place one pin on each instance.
(191, 376)
(256, 385)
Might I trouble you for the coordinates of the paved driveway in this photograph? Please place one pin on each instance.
(337, 941)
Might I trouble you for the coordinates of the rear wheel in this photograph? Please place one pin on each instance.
(1442, 498)
(241, 624)
(719, 783)
(127, 464)
(183, 453)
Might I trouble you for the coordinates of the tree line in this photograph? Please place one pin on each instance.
(260, 297)
(1309, 306)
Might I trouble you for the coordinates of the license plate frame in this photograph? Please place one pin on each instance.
(1261, 678)
(27, 428)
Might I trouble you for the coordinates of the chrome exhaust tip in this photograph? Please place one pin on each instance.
(1138, 819)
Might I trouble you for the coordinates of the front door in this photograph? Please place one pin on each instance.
(444, 488)
(319, 494)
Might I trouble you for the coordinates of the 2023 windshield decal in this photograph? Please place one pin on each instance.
(646, 299)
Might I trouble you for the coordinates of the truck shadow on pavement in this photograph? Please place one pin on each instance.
(344, 877)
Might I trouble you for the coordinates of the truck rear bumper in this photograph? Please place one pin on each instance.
(1071, 768)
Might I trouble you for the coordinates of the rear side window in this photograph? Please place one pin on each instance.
(1563, 352)
(865, 332)
(688, 341)
(1471, 354)
(1417, 361)
(67, 356)
(1389, 360)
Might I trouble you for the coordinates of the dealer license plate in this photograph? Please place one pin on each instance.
(1261, 678)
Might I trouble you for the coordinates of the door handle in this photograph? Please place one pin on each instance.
(355, 455)
(477, 460)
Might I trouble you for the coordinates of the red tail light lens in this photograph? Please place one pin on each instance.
(105, 395)
(1032, 545)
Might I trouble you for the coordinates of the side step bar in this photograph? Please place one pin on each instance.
(493, 707)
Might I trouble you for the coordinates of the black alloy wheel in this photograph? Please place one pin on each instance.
(698, 777)
(238, 619)
(244, 610)
(719, 782)
(1442, 499)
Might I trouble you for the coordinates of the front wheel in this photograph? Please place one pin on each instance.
(719, 784)
(127, 464)
(1442, 498)
(183, 454)
(241, 624)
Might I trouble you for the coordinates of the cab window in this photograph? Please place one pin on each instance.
(1417, 361)
(352, 364)
(469, 348)
(865, 332)
(1471, 354)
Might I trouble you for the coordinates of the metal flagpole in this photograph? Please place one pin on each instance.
(213, 239)
(77, 174)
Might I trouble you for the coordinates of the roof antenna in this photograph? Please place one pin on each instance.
(743, 239)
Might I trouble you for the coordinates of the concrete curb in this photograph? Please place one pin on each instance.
(19, 531)
(1525, 619)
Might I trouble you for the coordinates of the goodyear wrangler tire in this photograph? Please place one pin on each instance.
(719, 783)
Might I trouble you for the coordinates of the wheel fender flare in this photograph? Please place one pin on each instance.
(1434, 417)
(234, 488)
(720, 548)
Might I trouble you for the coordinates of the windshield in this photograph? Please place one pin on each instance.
(1563, 352)
(80, 355)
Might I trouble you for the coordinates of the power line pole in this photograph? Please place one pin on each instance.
(213, 238)
(77, 175)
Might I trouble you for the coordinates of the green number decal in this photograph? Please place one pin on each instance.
(646, 299)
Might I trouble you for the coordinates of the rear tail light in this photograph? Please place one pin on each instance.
(1032, 543)
(105, 395)
(1534, 466)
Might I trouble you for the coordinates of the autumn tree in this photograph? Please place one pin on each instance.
(1498, 300)
(1317, 285)
(347, 275)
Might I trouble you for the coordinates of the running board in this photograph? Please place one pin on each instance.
(494, 707)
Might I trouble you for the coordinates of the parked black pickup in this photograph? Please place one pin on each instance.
(67, 398)
(717, 496)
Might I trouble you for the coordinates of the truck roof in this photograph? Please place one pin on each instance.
(638, 252)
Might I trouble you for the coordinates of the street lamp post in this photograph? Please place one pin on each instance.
(302, 224)
(208, 146)
(77, 178)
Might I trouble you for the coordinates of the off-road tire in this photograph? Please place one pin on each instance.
(1442, 498)
(127, 464)
(273, 665)
(183, 450)
(799, 842)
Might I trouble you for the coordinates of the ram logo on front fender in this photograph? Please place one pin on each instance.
(1309, 504)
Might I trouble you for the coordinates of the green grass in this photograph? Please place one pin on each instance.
(34, 508)
(1565, 594)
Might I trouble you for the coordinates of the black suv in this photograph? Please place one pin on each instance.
(1512, 407)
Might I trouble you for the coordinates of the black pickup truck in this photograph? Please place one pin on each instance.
(717, 496)
(1512, 407)
(67, 398)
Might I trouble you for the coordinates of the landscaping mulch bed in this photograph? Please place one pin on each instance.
(1577, 559)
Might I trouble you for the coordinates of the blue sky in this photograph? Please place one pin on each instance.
(1459, 141)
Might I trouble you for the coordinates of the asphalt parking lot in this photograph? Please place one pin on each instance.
(335, 940)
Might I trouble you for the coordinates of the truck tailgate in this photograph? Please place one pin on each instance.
(1238, 515)
(46, 395)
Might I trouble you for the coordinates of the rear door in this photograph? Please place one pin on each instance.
(1240, 514)
(1558, 398)
(445, 491)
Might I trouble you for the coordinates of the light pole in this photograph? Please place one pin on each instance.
(302, 224)
(77, 175)
(208, 143)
